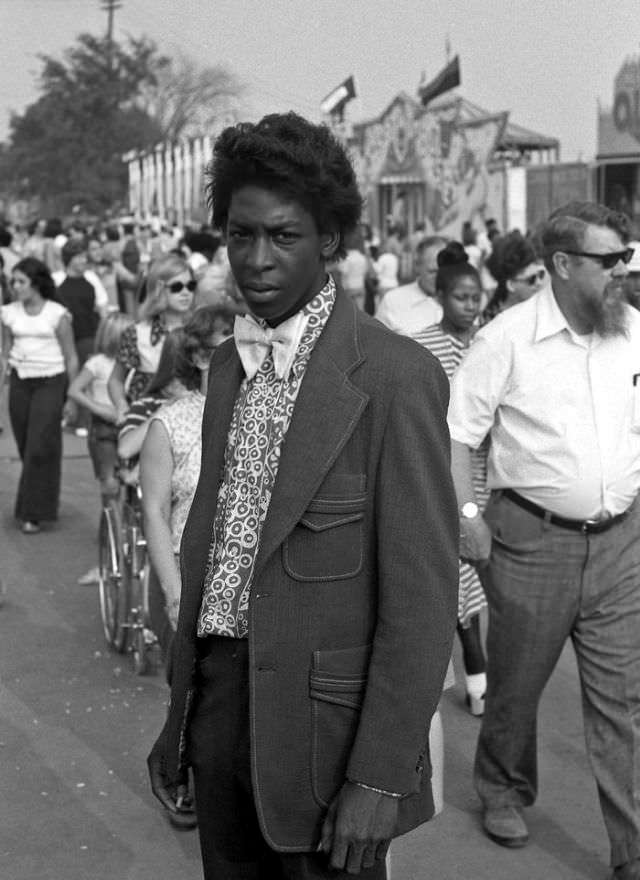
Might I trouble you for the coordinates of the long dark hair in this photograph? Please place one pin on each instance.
(39, 276)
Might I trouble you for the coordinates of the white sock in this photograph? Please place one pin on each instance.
(476, 685)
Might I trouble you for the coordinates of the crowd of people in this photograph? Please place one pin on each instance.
(398, 438)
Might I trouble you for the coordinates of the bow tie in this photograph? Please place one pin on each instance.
(254, 343)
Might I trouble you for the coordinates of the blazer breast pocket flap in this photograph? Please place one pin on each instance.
(325, 512)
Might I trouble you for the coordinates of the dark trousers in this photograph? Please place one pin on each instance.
(230, 839)
(35, 411)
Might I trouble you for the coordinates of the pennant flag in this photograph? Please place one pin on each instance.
(337, 99)
(448, 78)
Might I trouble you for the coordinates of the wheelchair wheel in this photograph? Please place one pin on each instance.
(140, 637)
(113, 580)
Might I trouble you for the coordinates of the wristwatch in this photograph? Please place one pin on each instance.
(469, 510)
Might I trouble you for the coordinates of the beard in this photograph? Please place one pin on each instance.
(609, 314)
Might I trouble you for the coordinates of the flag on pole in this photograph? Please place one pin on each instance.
(448, 78)
(339, 97)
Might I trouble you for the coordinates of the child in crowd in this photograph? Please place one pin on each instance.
(89, 389)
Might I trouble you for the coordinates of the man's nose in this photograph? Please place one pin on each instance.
(620, 269)
(261, 253)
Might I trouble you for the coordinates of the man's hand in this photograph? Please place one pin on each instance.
(170, 796)
(475, 540)
(358, 828)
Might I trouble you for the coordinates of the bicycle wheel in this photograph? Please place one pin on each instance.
(135, 554)
(113, 582)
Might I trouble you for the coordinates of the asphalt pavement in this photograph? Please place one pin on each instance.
(76, 724)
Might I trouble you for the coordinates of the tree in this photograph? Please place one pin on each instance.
(67, 146)
(188, 99)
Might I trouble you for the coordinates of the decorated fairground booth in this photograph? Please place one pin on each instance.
(431, 165)
(436, 158)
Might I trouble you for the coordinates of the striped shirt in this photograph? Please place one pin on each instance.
(448, 349)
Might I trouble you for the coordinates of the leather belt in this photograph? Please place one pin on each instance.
(586, 526)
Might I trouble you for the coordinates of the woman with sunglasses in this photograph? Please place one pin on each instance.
(518, 271)
(168, 304)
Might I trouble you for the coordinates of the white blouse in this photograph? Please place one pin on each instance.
(35, 350)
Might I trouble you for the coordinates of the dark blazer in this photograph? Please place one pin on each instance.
(354, 599)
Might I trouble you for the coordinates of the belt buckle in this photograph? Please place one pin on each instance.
(596, 524)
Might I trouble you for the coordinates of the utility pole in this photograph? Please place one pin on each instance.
(110, 7)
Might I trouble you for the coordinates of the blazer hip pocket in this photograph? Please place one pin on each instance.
(336, 700)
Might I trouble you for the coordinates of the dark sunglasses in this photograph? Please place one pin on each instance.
(607, 261)
(532, 279)
(177, 286)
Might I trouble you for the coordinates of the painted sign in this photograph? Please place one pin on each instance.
(437, 149)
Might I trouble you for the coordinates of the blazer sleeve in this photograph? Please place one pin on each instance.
(417, 560)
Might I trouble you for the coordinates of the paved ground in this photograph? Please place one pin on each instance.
(76, 724)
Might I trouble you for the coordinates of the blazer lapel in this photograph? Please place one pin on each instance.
(225, 376)
(326, 412)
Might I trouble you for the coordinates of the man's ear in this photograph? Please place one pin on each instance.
(330, 244)
(561, 264)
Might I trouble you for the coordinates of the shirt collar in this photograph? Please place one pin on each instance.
(549, 318)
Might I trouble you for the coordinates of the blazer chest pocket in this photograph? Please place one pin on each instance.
(328, 543)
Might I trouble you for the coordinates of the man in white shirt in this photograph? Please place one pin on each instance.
(555, 382)
(412, 307)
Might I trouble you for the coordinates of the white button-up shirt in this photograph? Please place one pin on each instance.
(563, 410)
(408, 309)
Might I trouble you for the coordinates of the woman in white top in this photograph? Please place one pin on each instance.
(169, 302)
(37, 346)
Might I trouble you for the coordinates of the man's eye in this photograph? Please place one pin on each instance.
(238, 233)
(285, 236)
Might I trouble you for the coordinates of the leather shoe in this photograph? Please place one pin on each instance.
(505, 825)
(627, 871)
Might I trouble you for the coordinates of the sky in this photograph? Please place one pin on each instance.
(548, 62)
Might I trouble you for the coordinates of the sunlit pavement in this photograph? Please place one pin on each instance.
(76, 725)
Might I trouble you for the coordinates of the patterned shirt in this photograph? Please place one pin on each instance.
(182, 420)
(129, 358)
(259, 424)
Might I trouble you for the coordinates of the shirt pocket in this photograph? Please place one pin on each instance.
(327, 544)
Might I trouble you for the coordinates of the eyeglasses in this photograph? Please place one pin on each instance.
(533, 279)
(178, 286)
(607, 261)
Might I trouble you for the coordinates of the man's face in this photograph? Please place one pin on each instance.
(94, 251)
(600, 292)
(427, 268)
(276, 252)
(77, 265)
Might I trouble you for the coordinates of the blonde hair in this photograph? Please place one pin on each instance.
(161, 270)
(110, 331)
